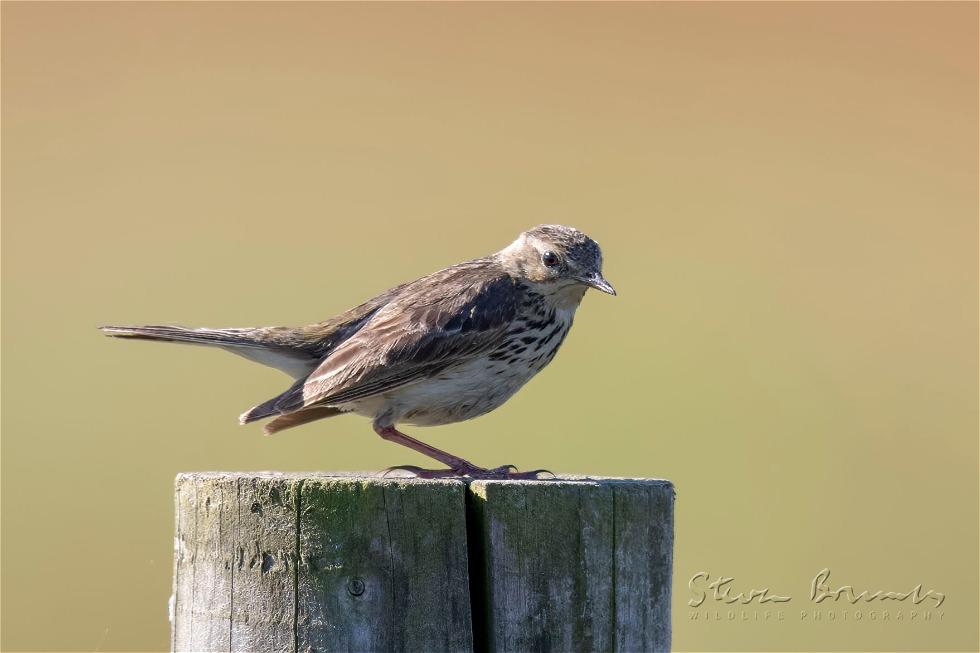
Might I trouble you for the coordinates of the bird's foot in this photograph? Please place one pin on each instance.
(504, 472)
(509, 472)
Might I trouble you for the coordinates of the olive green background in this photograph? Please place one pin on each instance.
(786, 195)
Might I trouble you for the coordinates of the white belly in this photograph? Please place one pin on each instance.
(459, 393)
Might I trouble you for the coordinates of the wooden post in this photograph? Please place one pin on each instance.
(319, 562)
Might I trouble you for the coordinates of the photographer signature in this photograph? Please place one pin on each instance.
(820, 590)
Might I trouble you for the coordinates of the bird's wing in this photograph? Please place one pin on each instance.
(446, 318)
(318, 340)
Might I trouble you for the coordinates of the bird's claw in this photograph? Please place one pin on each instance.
(503, 469)
(510, 472)
(504, 472)
(534, 473)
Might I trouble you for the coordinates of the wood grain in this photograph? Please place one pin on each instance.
(318, 562)
(575, 564)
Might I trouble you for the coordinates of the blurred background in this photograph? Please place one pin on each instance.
(786, 195)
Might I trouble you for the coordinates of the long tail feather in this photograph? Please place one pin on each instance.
(253, 344)
(164, 333)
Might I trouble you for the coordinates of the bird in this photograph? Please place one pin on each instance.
(447, 347)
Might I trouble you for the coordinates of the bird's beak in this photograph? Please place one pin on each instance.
(598, 282)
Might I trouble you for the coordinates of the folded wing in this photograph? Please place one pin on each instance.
(434, 323)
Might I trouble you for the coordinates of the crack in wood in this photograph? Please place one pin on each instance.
(348, 562)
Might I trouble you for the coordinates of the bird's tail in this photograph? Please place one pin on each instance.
(164, 333)
(251, 343)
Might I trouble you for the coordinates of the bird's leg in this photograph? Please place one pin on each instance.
(457, 466)
(455, 463)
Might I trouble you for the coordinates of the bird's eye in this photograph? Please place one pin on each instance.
(550, 259)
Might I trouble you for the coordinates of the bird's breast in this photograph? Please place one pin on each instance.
(480, 385)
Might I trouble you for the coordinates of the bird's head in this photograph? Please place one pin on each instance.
(556, 258)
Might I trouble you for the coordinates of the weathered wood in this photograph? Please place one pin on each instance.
(575, 564)
(325, 562)
(206, 520)
(263, 580)
(314, 562)
(644, 537)
(384, 566)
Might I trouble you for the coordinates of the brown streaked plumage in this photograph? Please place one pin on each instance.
(448, 347)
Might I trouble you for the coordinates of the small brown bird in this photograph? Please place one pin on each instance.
(445, 348)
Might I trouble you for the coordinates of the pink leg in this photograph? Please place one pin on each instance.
(391, 434)
(457, 466)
